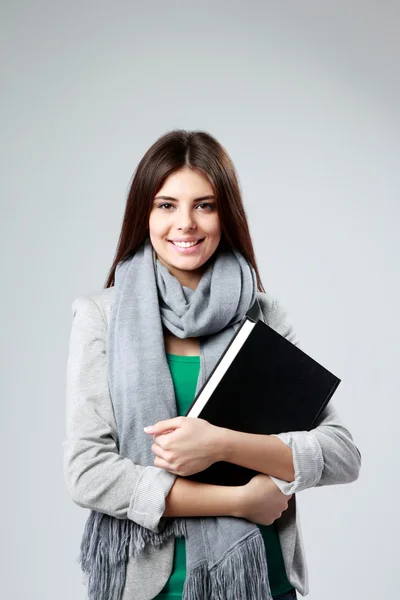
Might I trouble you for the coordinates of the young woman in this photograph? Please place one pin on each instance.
(183, 278)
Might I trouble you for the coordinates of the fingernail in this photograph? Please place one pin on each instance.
(148, 428)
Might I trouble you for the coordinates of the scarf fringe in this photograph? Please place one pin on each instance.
(241, 575)
(106, 544)
(197, 584)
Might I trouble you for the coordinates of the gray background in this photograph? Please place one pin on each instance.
(305, 98)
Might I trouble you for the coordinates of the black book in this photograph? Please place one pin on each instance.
(264, 384)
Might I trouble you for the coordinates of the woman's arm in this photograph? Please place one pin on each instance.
(263, 453)
(97, 476)
(259, 501)
(193, 499)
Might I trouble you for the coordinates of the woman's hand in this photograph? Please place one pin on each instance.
(261, 501)
(185, 445)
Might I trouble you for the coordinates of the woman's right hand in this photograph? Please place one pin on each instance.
(261, 501)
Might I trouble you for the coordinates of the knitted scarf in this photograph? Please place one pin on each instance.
(225, 556)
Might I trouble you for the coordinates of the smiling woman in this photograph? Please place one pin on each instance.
(183, 279)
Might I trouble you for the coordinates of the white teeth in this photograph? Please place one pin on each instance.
(185, 244)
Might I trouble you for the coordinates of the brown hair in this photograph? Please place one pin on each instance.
(171, 152)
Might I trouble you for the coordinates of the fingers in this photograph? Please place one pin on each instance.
(160, 452)
(163, 426)
(159, 462)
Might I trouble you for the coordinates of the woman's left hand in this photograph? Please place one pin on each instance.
(185, 445)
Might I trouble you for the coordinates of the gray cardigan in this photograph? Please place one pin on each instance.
(98, 478)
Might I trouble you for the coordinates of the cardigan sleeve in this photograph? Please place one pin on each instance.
(97, 476)
(325, 455)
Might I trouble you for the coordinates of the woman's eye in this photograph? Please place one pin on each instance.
(163, 205)
(207, 205)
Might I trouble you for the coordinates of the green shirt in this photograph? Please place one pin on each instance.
(185, 371)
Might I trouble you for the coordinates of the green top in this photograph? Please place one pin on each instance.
(184, 372)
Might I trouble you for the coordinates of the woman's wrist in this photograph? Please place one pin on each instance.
(222, 449)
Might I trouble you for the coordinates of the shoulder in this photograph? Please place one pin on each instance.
(95, 306)
(276, 315)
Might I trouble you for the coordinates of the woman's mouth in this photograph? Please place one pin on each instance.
(186, 248)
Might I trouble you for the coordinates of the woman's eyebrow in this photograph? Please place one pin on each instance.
(176, 199)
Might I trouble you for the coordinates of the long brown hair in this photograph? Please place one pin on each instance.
(171, 152)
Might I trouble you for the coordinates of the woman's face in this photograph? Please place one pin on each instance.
(184, 210)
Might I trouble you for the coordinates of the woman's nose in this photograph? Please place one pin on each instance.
(186, 220)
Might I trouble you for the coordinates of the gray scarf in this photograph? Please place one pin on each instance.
(225, 556)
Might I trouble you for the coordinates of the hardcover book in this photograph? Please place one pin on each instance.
(262, 384)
